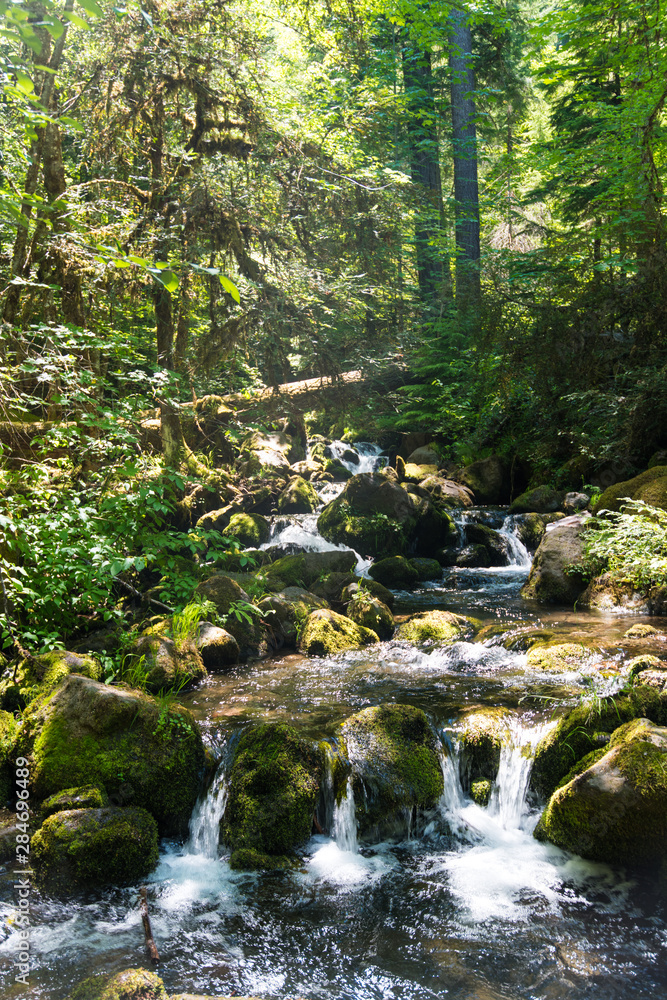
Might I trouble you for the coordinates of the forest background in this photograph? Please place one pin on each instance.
(217, 197)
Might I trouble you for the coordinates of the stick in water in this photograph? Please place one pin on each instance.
(148, 933)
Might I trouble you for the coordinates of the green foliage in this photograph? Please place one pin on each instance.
(631, 545)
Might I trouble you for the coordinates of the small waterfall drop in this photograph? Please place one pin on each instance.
(508, 797)
(517, 553)
(206, 816)
(367, 456)
(344, 825)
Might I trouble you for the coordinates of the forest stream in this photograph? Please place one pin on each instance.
(467, 905)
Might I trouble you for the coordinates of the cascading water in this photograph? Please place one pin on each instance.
(344, 826)
(363, 456)
(206, 817)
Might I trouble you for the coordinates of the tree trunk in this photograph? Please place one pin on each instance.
(466, 191)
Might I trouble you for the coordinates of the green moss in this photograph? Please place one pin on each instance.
(287, 611)
(298, 497)
(558, 657)
(644, 662)
(577, 733)
(395, 762)
(305, 569)
(649, 486)
(372, 614)
(131, 984)
(83, 797)
(641, 631)
(250, 859)
(432, 626)
(88, 733)
(481, 743)
(94, 847)
(250, 529)
(326, 632)
(541, 500)
(42, 673)
(168, 666)
(480, 792)
(273, 790)
(370, 534)
(395, 571)
(9, 729)
(427, 569)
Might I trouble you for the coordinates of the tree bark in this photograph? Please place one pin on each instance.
(466, 189)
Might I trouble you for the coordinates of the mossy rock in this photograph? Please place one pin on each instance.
(558, 657)
(606, 593)
(494, 633)
(306, 568)
(523, 639)
(641, 631)
(414, 473)
(83, 797)
(169, 666)
(217, 647)
(331, 588)
(488, 480)
(274, 787)
(131, 984)
(40, 674)
(444, 494)
(427, 569)
(481, 742)
(339, 472)
(582, 729)
(649, 486)
(644, 662)
(441, 627)
(226, 593)
(480, 792)
(82, 848)
(615, 811)
(554, 577)
(650, 671)
(474, 556)
(90, 733)
(494, 544)
(326, 632)
(531, 530)
(370, 612)
(9, 729)
(395, 766)
(374, 588)
(298, 497)
(541, 500)
(395, 571)
(287, 611)
(250, 529)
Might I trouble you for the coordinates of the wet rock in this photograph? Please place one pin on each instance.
(370, 612)
(326, 632)
(250, 529)
(338, 472)
(441, 627)
(273, 791)
(532, 528)
(615, 810)
(83, 797)
(306, 568)
(444, 493)
(447, 556)
(395, 767)
(427, 569)
(90, 733)
(494, 543)
(396, 571)
(584, 729)
(131, 984)
(167, 665)
(648, 670)
(481, 742)
(217, 647)
(488, 480)
(288, 610)
(641, 631)
(649, 486)
(298, 497)
(552, 579)
(81, 848)
(473, 556)
(373, 587)
(480, 792)
(541, 500)
(605, 593)
(43, 673)
(558, 657)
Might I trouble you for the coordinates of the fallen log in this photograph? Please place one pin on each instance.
(151, 947)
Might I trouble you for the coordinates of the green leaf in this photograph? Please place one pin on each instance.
(230, 287)
(77, 21)
(147, 18)
(91, 7)
(55, 28)
(169, 280)
(23, 82)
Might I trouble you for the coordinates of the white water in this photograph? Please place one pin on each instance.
(368, 453)
(517, 553)
(344, 826)
(206, 816)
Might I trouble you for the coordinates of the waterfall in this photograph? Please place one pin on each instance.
(206, 816)
(368, 457)
(508, 797)
(344, 825)
(517, 553)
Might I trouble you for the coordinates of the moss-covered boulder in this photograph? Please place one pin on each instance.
(541, 500)
(493, 543)
(481, 741)
(473, 556)
(414, 473)
(616, 809)
(649, 486)
(326, 632)
(444, 493)
(252, 530)
(554, 578)
(441, 627)
(81, 848)
(648, 670)
(606, 593)
(168, 666)
(395, 571)
(83, 797)
(217, 647)
(286, 612)
(269, 455)
(42, 673)
(131, 984)
(331, 586)
(9, 729)
(373, 587)
(395, 766)
(641, 630)
(587, 728)
(306, 568)
(370, 612)
(298, 497)
(427, 569)
(233, 605)
(558, 657)
(274, 787)
(480, 792)
(143, 755)
(488, 480)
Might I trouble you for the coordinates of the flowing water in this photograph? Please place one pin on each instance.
(469, 906)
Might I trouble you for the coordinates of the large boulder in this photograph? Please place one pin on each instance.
(83, 797)
(167, 665)
(274, 787)
(269, 454)
(372, 587)
(326, 632)
(298, 497)
(586, 728)
(40, 674)
(287, 611)
(395, 571)
(441, 627)
(237, 612)
(251, 530)
(615, 810)
(445, 493)
(488, 480)
(82, 848)
(552, 579)
(494, 544)
(541, 500)
(395, 763)
(649, 486)
(142, 754)
(217, 647)
(306, 568)
(366, 610)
